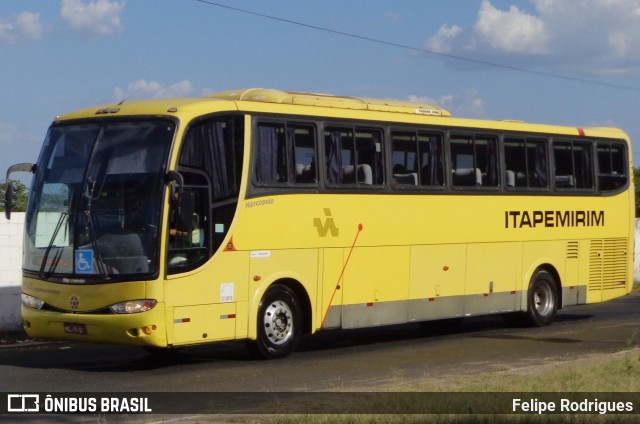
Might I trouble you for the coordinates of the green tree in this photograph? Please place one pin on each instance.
(20, 195)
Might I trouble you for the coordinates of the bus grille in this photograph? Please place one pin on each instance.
(607, 264)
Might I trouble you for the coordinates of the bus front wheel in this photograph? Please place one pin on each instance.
(279, 323)
(542, 299)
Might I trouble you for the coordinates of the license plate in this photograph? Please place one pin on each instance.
(75, 328)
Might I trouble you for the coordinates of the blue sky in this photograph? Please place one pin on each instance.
(56, 56)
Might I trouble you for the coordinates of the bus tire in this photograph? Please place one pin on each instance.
(279, 323)
(542, 299)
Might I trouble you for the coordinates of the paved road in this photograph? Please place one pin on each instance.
(349, 360)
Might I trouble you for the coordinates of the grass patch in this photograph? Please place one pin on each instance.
(618, 372)
(455, 419)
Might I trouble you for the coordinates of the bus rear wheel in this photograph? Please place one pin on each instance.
(279, 323)
(542, 299)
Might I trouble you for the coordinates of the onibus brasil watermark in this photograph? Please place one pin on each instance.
(37, 403)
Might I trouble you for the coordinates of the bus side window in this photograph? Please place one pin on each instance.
(573, 164)
(285, 154)
(354, 156)
(417, 159)
(526, 163)
(474, 161)
(612, 168)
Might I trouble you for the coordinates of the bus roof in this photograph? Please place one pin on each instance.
(258, 99)
(328, 100)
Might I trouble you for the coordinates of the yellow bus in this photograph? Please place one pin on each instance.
(265, 215)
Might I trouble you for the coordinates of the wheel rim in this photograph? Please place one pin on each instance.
(543, 299)
(278, 322)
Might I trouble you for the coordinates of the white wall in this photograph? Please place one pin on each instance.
(10, 270)
(11, 259)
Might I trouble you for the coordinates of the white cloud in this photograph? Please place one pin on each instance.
(25, 26)
(468, 104)
(153, 89)
(95, 18)
(443, 41)
(601, 35)
(513, 31)
(593, 36)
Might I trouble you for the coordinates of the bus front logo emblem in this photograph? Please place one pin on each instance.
(327, 226)
(74, 302)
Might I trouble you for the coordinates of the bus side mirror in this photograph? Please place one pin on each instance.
(8, 195)
(8, 200)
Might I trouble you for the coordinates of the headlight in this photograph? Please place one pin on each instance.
(133, 306)
(32, 302)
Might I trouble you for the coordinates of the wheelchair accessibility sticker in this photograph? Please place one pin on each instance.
(84, 261)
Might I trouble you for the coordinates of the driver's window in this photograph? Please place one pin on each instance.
(188, 241)
(210, 163)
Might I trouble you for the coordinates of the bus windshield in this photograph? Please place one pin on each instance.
(96, 201)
